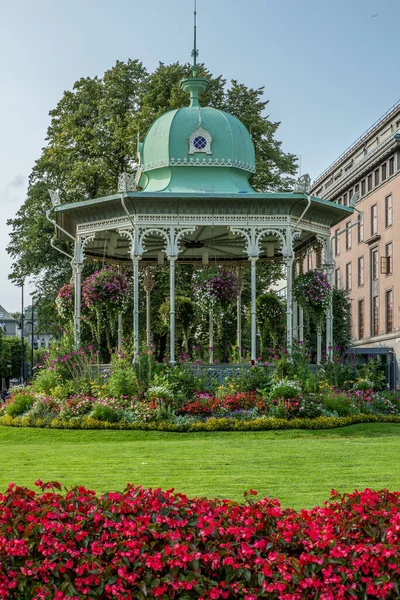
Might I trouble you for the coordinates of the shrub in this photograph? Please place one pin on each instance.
(103, 412)
(19, 404)
(285, 388)
(46, 380)
(180, 380)
(339, 403)
(250, 379)
(123, 380)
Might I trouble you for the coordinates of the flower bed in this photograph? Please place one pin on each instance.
(150, 543)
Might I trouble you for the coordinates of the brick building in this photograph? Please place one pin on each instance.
(365, 246)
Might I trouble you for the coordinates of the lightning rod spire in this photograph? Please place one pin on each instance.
(195, 52)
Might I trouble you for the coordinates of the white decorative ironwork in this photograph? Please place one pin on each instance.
(126, 182)
(128, 233)
(163, 232)
(199, 162)
(303, 184)
(55, 197)
(254, 234)
(157, 220)
(181, 231)
(172, 236)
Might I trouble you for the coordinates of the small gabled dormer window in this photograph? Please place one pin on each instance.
(200, 141)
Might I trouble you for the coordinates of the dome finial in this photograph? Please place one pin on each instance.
(195, 52)
(194, 85)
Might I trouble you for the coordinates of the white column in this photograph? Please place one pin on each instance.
(328, 267)
(289, 292)
(148, 285)
(135, 260)
(239, 312)
(319, 344)
(172, 259)
(77, 304)
(253, 261)
(301, 324)
(295, 321)
(211, 338)
(119, 338)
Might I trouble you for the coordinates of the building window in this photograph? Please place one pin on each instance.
(337, 279)
(348, 276)
(375, 316)
(374, 219)
(357, 188)
(350, 195)
(345, 202)
(387, 260)
(348, 235)
(360, 271)
(375, 272)
(389, 311)
(376, 177)
(363, 187)
(340, 200)
(391, 166)
(337, 243)
(370, 182)
(388, 211)
(384, 171)
(360, 228)
(360, 319)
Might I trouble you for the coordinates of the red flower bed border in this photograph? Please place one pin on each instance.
(154, 544)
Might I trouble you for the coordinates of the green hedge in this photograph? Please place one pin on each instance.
(212, 424)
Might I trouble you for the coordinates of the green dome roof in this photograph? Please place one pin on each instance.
(196, 149)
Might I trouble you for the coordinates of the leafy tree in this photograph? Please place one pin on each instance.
(11, 351)
(92, 139)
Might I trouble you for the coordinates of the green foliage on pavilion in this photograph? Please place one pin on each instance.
(92, 138)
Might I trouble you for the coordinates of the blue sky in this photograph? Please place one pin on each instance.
(330, 69)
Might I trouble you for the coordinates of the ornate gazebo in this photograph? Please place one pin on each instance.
(191, 202)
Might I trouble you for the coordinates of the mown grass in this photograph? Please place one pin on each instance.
(297, 467)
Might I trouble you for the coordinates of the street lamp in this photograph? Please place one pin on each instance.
(22, 334)
(33, 294)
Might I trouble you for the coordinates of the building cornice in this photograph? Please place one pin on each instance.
(359, 143)
(353, 175)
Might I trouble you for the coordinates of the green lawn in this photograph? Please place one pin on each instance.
(297, 467)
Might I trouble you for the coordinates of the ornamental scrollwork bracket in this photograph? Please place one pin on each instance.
(80, 245)
(179, 233)
(55, 197)
(126, 183)
(302, 185)
(135, 246)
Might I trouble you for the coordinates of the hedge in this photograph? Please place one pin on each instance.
(212, 424)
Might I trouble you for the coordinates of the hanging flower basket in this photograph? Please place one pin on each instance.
(105, 294)
(107, 289)
(215, 286)
(65, 300)
(313, 293)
